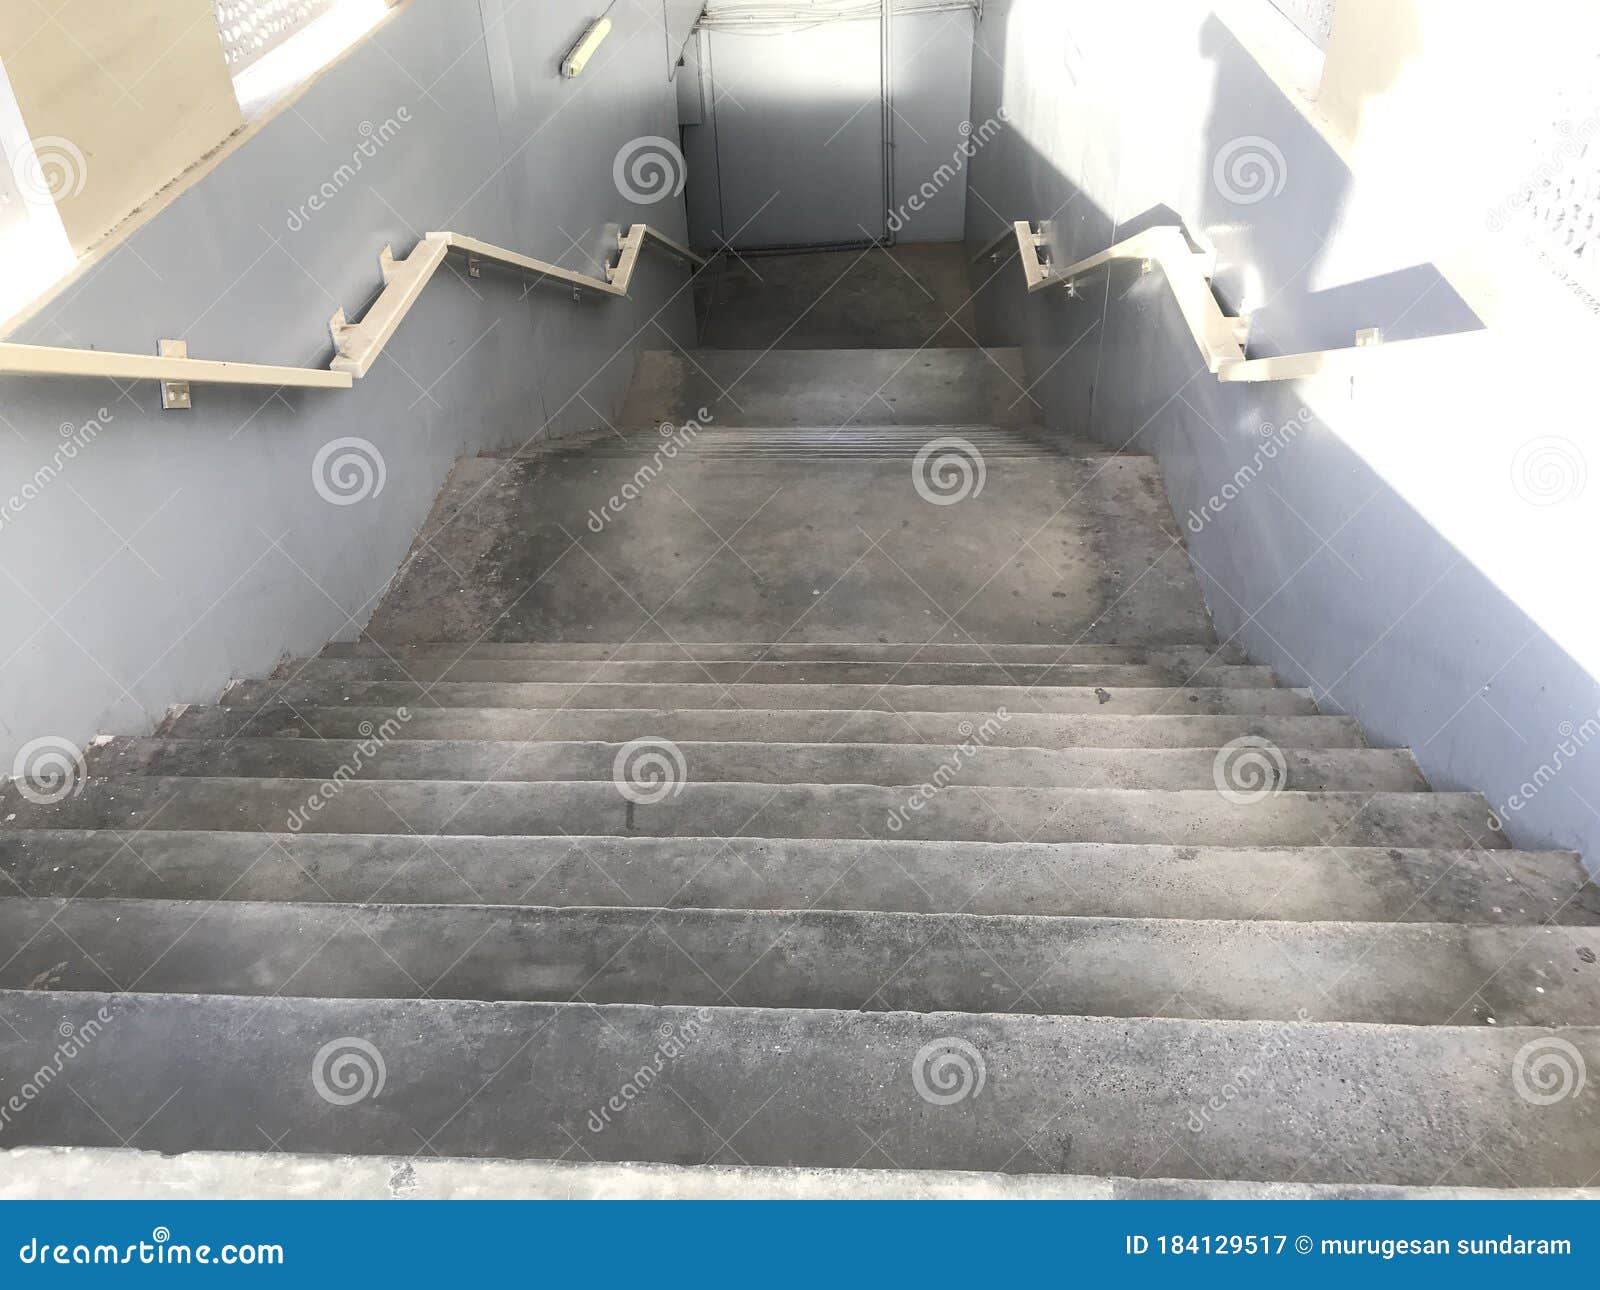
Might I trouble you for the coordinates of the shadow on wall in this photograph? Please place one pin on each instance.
(785, 137)
(1269, 265)
(1316, 513)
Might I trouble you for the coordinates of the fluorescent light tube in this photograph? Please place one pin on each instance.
(580, 54)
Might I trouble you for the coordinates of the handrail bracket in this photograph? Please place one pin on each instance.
(356, 344)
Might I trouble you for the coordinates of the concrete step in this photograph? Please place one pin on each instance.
(792, 652)
(837, 387)
(689, 438)
(665, 672)
(913, 435)
(989, 699)
(973, 763)
(1189, 818)
(1270, 1101)
(120, 1173)
(1421, 974)
(1024, 729)
(1344, 883)
(785, 442)
(634, 452)
(1075, 550)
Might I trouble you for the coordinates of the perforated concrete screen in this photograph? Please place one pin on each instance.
(1559, 211)
(1313, 17)
(253, 28)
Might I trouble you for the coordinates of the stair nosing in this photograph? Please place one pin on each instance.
(876, 1014)
(444, 908)
(713, 839)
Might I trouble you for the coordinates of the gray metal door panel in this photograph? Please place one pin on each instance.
(798, 128)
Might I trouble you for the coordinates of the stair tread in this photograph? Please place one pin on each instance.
(777, 651)
(844, 387)
(780, 439)
(958, 813)
(838, 548)
(1024, 729)
(390, 756)
(1395, 973)
(1102, 699)
(1336, 1102)
(695, 671)
(1363, 884)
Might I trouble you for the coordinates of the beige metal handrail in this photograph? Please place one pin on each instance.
(356, 344)
(1189, 264)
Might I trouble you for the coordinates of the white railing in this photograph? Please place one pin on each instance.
(1189, 264)
(357, 345)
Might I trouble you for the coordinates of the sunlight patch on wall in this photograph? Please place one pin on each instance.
(273, 46)
(34, 248)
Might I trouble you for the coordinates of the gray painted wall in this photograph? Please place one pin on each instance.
(167, 552)
(787, 149)
(1330, 562)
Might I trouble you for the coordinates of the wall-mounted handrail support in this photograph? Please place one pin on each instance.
(359, 344)
(356, 344)
(1189, 263)
(45, 360)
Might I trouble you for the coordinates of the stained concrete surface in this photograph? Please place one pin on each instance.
(1427, 1106)
(614, 695)
(854, 388)
(1150, 880)
(818, 726)
(766, 762)
(89, 1173)
(805, 549)
(1189, 817)
(905, 297)
(1416, 974)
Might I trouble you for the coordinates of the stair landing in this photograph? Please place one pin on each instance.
(800, 545)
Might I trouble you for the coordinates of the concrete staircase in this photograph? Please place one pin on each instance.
(798, 797)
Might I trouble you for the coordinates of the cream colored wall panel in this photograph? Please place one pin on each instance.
(139, 88)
